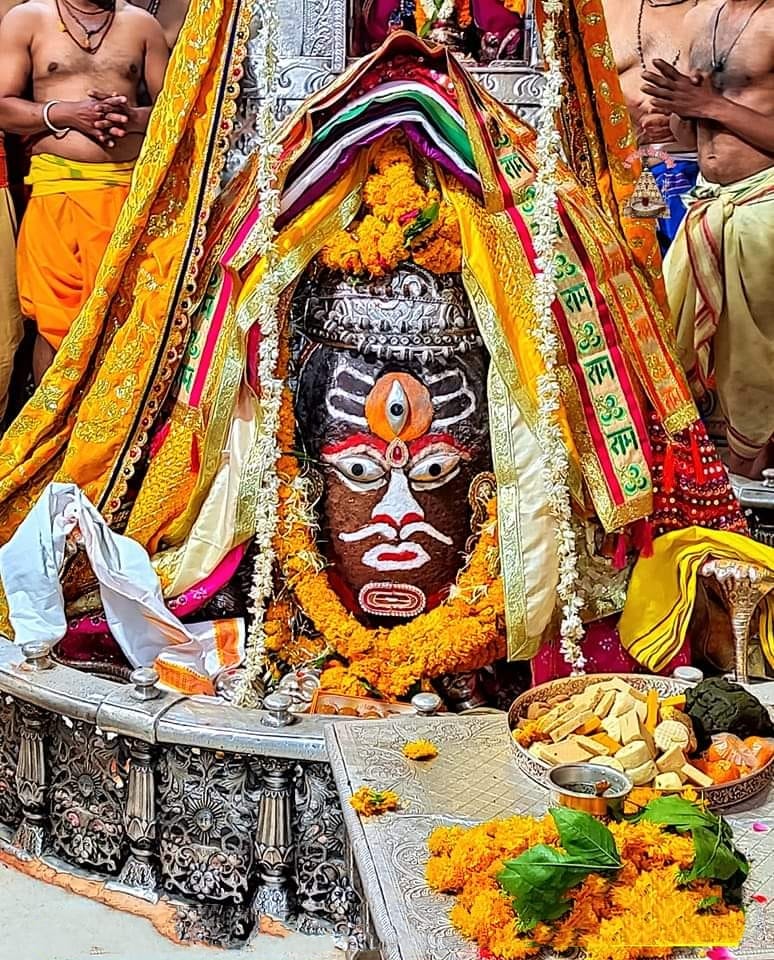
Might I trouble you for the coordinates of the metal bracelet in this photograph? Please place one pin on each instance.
(58, 132)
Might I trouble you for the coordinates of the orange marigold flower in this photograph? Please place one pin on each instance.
(369, 802)
(420, 750)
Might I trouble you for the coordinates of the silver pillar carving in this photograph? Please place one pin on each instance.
(140, 872)
(32, 780)
(274, 839)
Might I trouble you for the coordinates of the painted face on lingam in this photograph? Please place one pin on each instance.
(391, 404)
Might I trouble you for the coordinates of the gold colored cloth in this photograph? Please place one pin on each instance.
(718, 273)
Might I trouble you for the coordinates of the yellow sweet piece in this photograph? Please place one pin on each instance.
(590, 726)
(613, 746)
(676, 701)
(651, 719)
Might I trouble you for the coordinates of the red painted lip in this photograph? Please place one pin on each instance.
(396, 556)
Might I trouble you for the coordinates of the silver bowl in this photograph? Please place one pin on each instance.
(575, 785)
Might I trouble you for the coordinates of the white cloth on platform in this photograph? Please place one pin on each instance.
(187, 656)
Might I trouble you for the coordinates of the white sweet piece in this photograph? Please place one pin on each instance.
(671, 733)
(643, 774)
(612, 762)
(668, 781)
(634, 755)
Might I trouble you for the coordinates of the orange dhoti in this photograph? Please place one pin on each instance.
(65, 231)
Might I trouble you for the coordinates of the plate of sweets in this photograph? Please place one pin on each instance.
(662, 733)
(357, 708)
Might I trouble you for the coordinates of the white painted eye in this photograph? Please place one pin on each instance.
(360, 469)
(397, 408)
(435, 468)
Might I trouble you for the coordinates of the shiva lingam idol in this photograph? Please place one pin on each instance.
(391, 407)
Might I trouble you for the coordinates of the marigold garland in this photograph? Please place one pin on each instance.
(403, 220)
(369, 802)
(420, 750)
(622, 917)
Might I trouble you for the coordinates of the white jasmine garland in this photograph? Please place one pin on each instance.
(266, 301)
(555, 458)
(438, 11)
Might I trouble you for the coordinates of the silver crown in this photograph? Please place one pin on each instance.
(410, 313)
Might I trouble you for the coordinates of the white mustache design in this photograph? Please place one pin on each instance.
(391, 533)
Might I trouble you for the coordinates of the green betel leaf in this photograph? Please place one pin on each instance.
(538, 881)
(678, 813)
(586, 840)
(714, 858)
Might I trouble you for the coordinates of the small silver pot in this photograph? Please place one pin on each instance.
(574, 785)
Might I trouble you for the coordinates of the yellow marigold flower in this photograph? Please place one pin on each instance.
(369, 802)
(420, 750)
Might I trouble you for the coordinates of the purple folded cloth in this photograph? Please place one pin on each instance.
(323, 183)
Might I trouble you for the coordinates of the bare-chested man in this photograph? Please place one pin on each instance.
(86, 60)
(642, 31)
(719, 269)
(11, 324)
(170, 14)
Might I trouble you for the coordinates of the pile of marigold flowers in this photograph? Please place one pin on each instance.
(402, 219)
(642, 908)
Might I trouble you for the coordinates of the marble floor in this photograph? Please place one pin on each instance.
(42, 922)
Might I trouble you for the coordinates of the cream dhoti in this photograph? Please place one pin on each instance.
(718, 277)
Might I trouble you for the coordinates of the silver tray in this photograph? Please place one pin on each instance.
(720, 796)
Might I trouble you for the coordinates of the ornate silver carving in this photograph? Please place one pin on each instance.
(207, 818)
(742, 586)
(10, 805)
(313, 53)
(221, 925)
(140, 870)
(32, 781)
(408, 313)
(89, 772)
(274, 848)
(327, 900)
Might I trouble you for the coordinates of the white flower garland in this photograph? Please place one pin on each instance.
(548, 429)
(266, 300)
(438, 11)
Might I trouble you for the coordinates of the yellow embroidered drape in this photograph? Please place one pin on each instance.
(89, 419)
(597, 131)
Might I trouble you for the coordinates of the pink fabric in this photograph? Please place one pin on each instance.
(603, 652)
(182, 606)
(492, 17)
